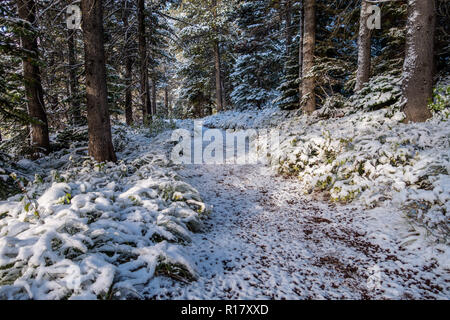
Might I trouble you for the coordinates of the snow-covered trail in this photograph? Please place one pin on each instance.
(264, 240)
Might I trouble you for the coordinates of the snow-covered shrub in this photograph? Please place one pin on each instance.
(374, 158)
(103, 230)
(380, 92)
(441, 98)
(332, 106)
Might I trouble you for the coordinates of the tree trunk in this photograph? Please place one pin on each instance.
(288, 27)
(144, 85)
(417, 83)
(32, 81)
(166, 100)
(99, 127)
(153, 96)
(128, 69)
(73, 82)
(128, 95)
(300, 55)
(219, 101)
(363, 72)
(309, 42)
(217, 63)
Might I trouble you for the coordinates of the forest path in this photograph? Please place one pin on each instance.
(265, 240)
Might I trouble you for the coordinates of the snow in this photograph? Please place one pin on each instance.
(347, 208)
(265, 240)
(104, 230)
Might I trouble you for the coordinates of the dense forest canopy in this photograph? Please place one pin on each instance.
(193, 58)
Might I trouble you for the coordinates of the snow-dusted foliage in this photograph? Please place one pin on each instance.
(251, 118)
(374, 158)
(97, 230)
(379, 92)
(360, 150)
(258, 65)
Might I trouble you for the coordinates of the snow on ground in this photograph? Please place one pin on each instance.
(89, 230)
(127, 230)
(367, 157)
(266, 240)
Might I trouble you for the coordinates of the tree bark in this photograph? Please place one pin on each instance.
(32, 81)
(217, 63)
(363, 72)
(153, 96)
(288, 26)
(128, 69)
(309, 42)
(128, 95)
(417, 83)
(144, 85)
(300, 56)
(73, 82)
(99, 127)
(166, 100)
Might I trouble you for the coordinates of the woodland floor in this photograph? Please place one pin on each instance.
(265, 240)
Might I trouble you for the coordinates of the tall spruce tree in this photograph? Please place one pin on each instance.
(32, 78)
(258, 65)
(99, 128)
(418, 66)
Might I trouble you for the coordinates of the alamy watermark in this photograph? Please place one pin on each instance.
(374, 19)
(73, 19)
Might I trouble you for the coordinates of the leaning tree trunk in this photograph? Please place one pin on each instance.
(363, 72)
(417, 83)
(32, 80)
(144, 85)
(99, 127)
(75, 110)
(309, 42)
(128, 69)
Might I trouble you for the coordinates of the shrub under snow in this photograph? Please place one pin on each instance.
(374, 158)
(90, 230)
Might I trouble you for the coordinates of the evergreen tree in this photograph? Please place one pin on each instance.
(418, 67)
(309, 44)
(32, 77)
(258, 67)
(100, 140)
(289, 97)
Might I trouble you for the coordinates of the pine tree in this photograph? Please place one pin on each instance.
(217, 60)
(143, 58)
(99, 128)
(418, 66)
(128, 62)
(32, 78)
(202, 26)
(75, 109)
(364, 50)
(258, 66)
(309, 43)
(289, 88)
